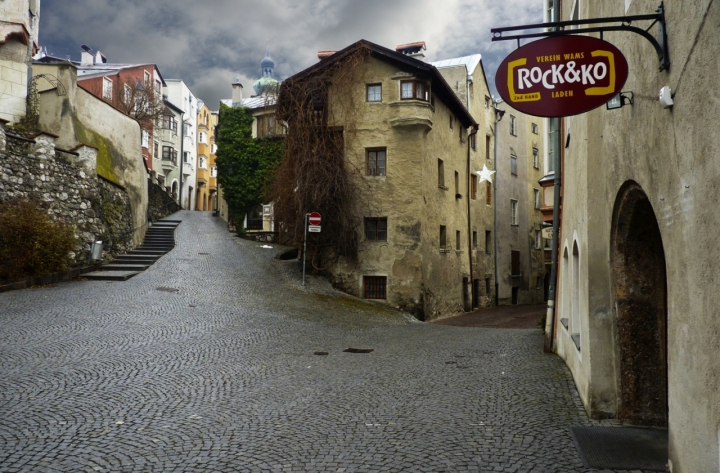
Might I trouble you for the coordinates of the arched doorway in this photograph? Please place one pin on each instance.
(638, 261)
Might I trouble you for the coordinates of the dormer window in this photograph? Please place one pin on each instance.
(414, 89)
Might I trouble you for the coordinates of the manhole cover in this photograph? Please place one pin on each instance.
(358, 350)
(168, 289)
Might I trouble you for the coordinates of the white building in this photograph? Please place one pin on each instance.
(182, 97)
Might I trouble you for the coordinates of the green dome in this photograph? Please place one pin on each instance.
(265, 85)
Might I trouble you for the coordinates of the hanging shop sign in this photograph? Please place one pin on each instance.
(561, 76)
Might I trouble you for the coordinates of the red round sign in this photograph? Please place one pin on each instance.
(561, 76)
(314, 218)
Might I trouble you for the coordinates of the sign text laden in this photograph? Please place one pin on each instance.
(561, 76)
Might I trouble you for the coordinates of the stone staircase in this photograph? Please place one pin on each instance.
(159, 239)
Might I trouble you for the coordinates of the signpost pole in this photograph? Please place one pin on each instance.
(305, 247)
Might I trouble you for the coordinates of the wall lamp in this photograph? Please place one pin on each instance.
(620, 100)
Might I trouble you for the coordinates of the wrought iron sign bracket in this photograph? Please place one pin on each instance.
(557, 28)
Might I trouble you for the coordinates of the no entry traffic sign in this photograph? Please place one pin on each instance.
(314, 218)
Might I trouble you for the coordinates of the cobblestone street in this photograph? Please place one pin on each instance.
(205, 362)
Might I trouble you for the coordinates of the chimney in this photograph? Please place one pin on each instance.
(100, 58)
(323, 54)
(237, 94)
(414, 50)
(86, 58)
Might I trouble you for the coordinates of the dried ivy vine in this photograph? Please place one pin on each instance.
(316, 174)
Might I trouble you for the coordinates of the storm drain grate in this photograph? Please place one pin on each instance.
(168, 289)
(358, 350)
(622, 448)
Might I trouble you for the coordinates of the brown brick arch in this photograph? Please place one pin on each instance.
(638, 262)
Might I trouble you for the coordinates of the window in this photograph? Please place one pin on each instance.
(213, 171)
(513, 125)
(441, 174)
(488, 288)
(487, 146)
(375, 287)
(457, 185)
(107, 88)
(414, 89)
(487, 102)
(443, 237)
(186, 157)
(515, 263)
(474, 240)
(534, 128)
(265, 125)
(488, 242)
(147, 79)
(186, 129)
(457, 240)
(145, 138)
(168, 153)
(513, 212)
(553, 144)
(536, 158)
(202, 138)
(376, 161)
(473, 186)
(538, 239)
(513, 165)
(156, 150)
(202, 160)
(451, 122)
(213, 148)
(374, 93)
(158, 88)
(488, 193)
(376, 229)
(536, 198)
(473, 141)
(127, 94)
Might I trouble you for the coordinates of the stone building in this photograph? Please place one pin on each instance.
(521, 248)
(406, 130)
(19, 26)
(636, 317)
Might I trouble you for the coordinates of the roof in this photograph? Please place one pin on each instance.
(98, 70)
(470, 62)
(439, 86)
(411, 47)
(253, 103)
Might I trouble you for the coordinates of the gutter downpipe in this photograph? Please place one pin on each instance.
(470, 243)
(550, 337)
(182, 160)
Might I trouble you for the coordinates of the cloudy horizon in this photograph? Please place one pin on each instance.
(208, 45)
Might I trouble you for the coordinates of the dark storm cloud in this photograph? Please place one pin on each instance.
(208, 44)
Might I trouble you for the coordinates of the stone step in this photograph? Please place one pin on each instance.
(159, 239)
(158, 248)
(125, 267)
(135, 259)
(152, 252)
(110, 275)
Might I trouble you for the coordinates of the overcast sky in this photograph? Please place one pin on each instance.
(209, 43)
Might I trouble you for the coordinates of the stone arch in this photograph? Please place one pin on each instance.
(640, 291)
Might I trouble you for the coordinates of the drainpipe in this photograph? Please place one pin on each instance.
(550, 337)
(182, 158)
(30, 55)
(498, 117)
(472, 285)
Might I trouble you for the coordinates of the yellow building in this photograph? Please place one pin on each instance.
(206, 186)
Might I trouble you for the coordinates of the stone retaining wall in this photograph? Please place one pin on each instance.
(160, 203)
(64, 185)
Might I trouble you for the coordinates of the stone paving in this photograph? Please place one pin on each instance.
(204, 363)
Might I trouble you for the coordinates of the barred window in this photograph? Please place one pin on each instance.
(375, 287)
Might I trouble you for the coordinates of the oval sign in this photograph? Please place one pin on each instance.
(561, 76)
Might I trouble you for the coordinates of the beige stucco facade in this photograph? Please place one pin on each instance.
(520, 137)
(637, 177)
(424, 276)
(80, 117)
(19, 20)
